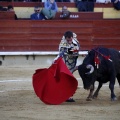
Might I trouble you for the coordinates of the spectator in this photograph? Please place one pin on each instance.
(26, 0)
(103, 1)
(116, 4)
(62, 0)
(68, 49)
(34, 0)
(85, 5)
(65, 12)
(10, 8)
(50, 9)
(80, 5)
(37, 15)
(2, 8)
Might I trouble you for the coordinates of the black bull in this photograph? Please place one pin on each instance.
(102, 65)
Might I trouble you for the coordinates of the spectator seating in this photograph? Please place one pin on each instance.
(24, 9)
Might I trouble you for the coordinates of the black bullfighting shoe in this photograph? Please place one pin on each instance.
(70, 100)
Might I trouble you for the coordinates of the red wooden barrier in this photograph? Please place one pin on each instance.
(7, 15)
(27, 35)
(82, 16)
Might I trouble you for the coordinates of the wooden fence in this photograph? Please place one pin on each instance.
(27, 35)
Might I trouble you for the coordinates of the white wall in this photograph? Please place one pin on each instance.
(23, 60)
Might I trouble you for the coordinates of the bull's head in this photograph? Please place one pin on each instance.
(87, 74)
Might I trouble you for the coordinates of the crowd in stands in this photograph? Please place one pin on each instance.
(37, 15)
(50, 8)
(36, 0)
(47, 12)
(10, 9)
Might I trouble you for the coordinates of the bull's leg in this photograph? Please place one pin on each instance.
(111, 86)
(89, 98)
(97, 91)
(75, 68)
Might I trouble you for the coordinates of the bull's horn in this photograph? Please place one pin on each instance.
(91, 69)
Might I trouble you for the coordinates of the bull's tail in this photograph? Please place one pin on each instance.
(0, 62)
(118, 78)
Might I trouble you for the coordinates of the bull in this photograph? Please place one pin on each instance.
(102, 65)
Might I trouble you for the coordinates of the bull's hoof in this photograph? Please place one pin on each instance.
(94, 97)
(114, 99)
(89, 99)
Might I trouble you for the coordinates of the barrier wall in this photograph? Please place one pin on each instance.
(27, 35)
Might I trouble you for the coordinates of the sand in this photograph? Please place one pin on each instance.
(19, 102)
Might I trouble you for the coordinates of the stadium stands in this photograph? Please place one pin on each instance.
(24, 9)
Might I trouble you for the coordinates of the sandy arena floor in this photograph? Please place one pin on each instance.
(19, 102)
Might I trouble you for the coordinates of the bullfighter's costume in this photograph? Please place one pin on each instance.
(69, 52)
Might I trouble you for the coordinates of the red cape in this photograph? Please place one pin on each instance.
(55, 84)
